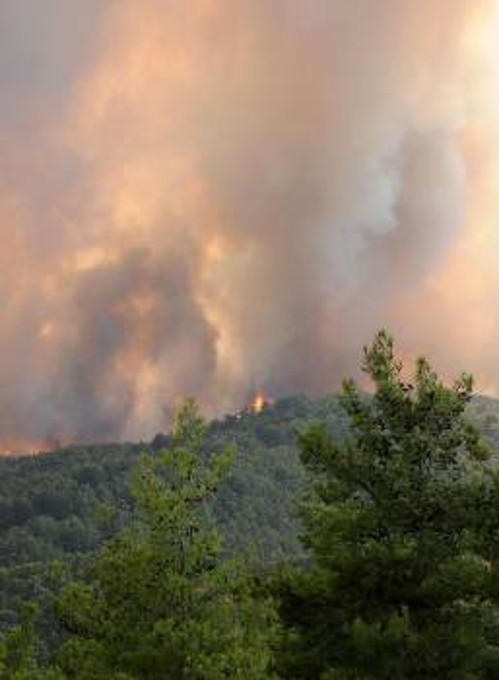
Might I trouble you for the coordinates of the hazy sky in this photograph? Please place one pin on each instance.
(205, 196)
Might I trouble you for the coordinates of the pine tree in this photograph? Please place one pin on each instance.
(161, 602)
(403, 530)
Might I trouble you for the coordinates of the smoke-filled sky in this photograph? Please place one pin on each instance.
(198, 197)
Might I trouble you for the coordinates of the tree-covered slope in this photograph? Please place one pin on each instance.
(61, 505)
(69, 501)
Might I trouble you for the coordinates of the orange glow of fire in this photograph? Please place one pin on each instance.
(27, 448)
(259, 403)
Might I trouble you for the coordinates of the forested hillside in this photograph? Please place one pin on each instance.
(61, 505)
(301, 541)
(59, 512)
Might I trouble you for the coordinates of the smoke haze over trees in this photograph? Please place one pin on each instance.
(199, 196)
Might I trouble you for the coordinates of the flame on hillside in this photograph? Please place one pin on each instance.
(18, 448)
(260, 402)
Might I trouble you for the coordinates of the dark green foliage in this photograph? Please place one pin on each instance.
(19, 653)
(69, 502)
(403, 528)
(49, 505)
(40, 583)
(65, 505)
(161, 602)
(255, 508)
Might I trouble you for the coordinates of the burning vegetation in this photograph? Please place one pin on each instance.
(260, 403)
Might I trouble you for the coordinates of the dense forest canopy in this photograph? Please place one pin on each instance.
(60, 505)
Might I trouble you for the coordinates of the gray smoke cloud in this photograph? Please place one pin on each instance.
(201, 197)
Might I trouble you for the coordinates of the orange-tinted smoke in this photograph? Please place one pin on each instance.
(222, 193)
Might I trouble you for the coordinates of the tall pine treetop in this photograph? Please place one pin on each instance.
(402, 526)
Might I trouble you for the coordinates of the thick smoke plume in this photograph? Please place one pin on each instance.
(205, 196)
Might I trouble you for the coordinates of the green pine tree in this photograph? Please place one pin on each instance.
(403, 531)
(161, 602)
